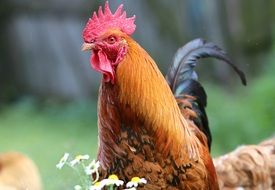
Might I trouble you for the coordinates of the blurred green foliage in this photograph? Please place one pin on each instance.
(244, 116)
(44, 131)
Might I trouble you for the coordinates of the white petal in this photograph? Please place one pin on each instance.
(66, 156)
(98, 186)
(142, 180)
(118, 182)
(91, 164)
(95, 188)
(88, 171)
(130, 184)
(79, 158)
(74, 162)
(92, 167)
(85, 157)
(77, 187)
(60, 165)
(105, 182)
(62, 161)
(97, 164)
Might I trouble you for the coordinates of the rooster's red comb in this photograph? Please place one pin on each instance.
(103, 21)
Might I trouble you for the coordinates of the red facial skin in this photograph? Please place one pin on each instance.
(108, 50)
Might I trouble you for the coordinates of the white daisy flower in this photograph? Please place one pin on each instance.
(79, 158)
(92, 167)
(132, 188)
(112, 180)
(135, 181)
(77, 187)
(62, 161)
(97, 186)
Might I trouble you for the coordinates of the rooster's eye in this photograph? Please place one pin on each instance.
(111, 39)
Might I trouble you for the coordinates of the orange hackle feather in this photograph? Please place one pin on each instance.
(145, 90)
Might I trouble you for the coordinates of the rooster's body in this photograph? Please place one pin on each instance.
(142, 130)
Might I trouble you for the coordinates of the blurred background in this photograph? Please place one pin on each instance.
(48, 93)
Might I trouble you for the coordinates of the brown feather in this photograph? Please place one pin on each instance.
(250, 167)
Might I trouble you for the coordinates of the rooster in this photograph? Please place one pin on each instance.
(148, 126)
(250, 167)
(18, 172)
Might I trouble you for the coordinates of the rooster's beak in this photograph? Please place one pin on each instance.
(87, 46)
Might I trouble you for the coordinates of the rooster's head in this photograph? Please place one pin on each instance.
(104, 34)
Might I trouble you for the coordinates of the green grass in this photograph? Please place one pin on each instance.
(46, 133)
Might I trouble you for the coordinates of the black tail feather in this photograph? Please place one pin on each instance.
(182, 78)
(186, 58)
(193, 88)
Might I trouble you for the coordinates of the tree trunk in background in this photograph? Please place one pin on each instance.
(8, 86)
(217, 32)
(250, 26)
(46, 50)
(40, 43)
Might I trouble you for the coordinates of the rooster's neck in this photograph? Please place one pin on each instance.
(141, 98)
(142, 89)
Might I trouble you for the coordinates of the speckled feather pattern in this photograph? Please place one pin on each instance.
(250, 167)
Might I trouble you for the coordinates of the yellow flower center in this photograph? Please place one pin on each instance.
(79, 157)
(113, 176)
(97, 184)
(135, 179)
